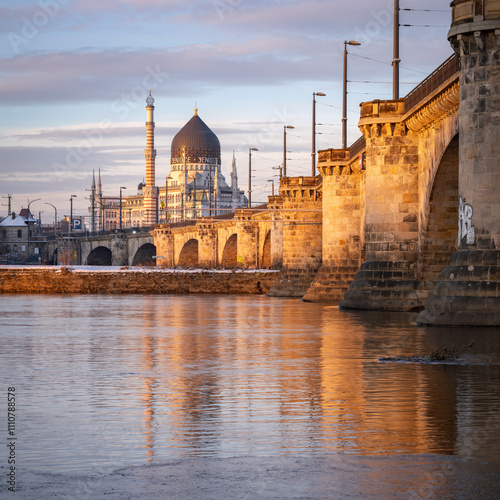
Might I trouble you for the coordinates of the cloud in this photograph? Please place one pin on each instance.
(110, 75)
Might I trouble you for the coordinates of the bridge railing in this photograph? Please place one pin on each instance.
(357, 146)
(432, 82)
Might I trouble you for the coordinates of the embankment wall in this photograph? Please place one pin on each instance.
(123, 281)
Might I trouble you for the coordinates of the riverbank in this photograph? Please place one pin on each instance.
(129, 280)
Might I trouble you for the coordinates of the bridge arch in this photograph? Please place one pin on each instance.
(100, 256)
(144, 255)
(439, 239)
(188, 256)
(230, 252)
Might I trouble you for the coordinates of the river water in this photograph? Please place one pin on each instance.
(104, 382)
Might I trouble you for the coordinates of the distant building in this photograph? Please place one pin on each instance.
(17, 238)
(195, 186)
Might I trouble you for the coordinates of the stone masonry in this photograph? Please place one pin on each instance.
(302, 235)
(468, 292)
(343, 216)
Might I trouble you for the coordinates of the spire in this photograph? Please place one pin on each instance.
(99, 185)
(234, 175)
(93, 179)
(195, 111)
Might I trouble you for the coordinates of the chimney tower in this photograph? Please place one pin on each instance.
(150, 191)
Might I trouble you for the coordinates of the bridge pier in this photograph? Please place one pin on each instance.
(207, 250)
(388, 278)
(468, 292)
(302, 236)
(247, 245)
(343, 239)
(164, 242)
(275, 204)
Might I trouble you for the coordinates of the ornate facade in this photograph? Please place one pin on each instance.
(195, 186)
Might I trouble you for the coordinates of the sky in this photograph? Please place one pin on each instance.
(75, 75)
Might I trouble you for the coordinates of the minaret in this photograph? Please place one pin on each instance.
(234, 184)
(150, 191)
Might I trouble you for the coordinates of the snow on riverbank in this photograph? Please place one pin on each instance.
(136, 269)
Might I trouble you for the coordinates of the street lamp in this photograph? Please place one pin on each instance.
(71, 212)
(28, 223)
(121, 187)
(250, 176)
(166, 198)
(55, 218)
(344, 102)
(280, 169)
(313, 154)
(271, 180)
(284, 147)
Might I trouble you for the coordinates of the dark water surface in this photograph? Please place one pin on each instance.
(124, 380)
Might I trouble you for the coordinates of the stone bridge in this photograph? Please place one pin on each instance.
(250, 239)
(115, 249)
(411, 212)
(390, 202)
(408, 215)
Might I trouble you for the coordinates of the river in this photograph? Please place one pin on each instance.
(105, 382)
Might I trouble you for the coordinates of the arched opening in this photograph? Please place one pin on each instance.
(229, 254)
(266, 252)
(100, 256)
(189, 254)
(440, 237)
(144, 256)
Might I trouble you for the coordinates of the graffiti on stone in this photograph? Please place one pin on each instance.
(465, 227)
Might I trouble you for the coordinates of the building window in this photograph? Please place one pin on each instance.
(15, 248)
(19, 233)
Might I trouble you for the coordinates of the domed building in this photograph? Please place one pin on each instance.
(195, 186)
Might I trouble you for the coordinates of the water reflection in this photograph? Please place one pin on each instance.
(172, 376)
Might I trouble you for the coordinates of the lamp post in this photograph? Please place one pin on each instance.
(284, 147)
(55, 218)
(344, 101)
(280, 169)
(71, 213)
(166, 198)
(271, 180)
(250, 176)
(29, 213)
(121, 188)
(313, 154)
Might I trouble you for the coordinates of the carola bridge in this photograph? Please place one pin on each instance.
(406, 219)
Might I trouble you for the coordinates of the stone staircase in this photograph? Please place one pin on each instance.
(330, 284)
(387, 286)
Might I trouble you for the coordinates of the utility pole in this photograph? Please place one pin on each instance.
(396, 60)
(9, 196)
